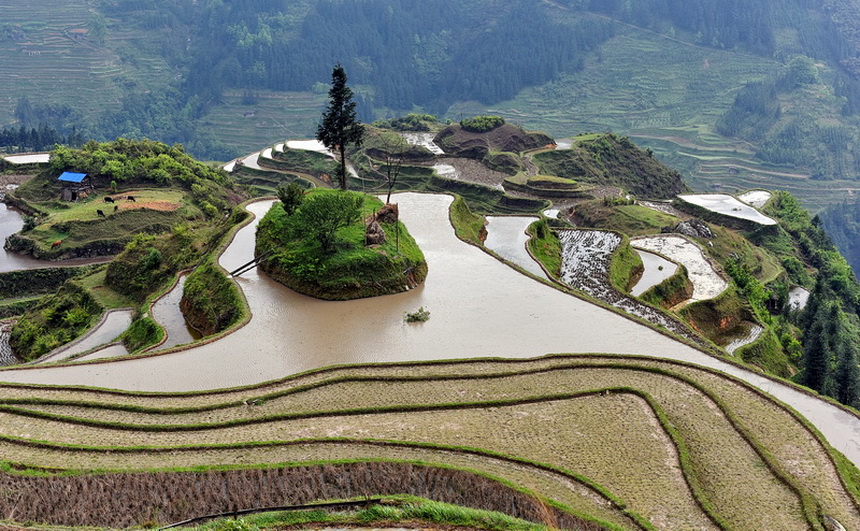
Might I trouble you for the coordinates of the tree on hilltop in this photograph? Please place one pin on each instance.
(339, 126)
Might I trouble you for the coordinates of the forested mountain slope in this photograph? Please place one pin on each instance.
(733, 93)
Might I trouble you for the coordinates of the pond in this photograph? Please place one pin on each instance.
(479, 307)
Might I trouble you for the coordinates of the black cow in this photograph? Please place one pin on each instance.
(115, 208)
(100, 213)
(108, 199)
(131, 198)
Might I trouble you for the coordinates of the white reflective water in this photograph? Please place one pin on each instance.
(166, 312)
(656, 270)
(506, 236)
(727, 206)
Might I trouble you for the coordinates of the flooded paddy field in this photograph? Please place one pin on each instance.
(707, 283)
(756, 198)
(586, 256)
(479, 308)
(506, 236)
(166, 312)
(727, 206)
(656, 270)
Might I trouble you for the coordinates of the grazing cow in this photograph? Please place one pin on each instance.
(100, 213)
(115, 208)
(56, 244)
(108, 199)
(131, 198)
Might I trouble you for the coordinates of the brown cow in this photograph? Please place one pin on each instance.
(56, 244)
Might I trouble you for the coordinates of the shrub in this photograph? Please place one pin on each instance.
(481, 124)
(291, 196)
(419, 316)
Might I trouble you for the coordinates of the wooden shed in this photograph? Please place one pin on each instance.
(75, 185)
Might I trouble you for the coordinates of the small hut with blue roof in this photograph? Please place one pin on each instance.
(75, 185)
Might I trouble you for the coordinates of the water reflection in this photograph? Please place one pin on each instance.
(656, 270)
(166, 312)
(479, 306)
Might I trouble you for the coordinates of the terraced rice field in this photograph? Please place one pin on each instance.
(45, 61)
(586, 256)
(677, 446)
(727, 206)
(707, 283)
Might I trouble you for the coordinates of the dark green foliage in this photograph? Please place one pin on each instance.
(818, 349)
(411, 122)
(344, 268)
(481, 124)
(609, 160)
(322, 214)
(53, 322)
(137, 161)
(291, 196)
(148, 261)
(36, 281)
(339, 127)
(33, 139)
(211, 302)
(142, 332)
(847, 358)
(842, 223)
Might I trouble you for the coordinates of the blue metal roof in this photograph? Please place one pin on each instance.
(70, 177)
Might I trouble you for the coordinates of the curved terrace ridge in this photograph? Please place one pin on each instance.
(532, 318)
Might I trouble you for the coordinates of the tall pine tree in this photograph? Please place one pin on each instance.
(339, 126)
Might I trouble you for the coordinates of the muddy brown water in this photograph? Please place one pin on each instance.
(506, 236)
(11, 222)
(166, 312)
(479, 307)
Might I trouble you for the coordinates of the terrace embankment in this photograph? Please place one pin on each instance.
(676, 445)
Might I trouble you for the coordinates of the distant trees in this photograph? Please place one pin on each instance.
(339, 126)
(40, 138)
(481, 124)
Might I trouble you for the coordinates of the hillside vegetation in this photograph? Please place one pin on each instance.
(609, 160)
(337, 264)
(154, 206)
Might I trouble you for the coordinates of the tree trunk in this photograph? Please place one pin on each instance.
(342, 167)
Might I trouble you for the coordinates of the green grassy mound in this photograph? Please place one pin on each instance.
(168, 188)
(609, 160)
(211, 302)
(347, 270)
(626, 443)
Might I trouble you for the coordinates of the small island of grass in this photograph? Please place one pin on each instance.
(320, 250)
